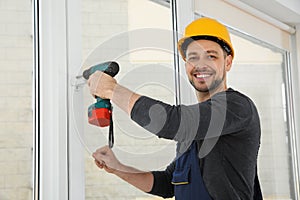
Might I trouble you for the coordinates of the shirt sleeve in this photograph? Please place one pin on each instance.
(162, 185)
(222, 114)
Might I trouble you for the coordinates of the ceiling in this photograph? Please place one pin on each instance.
(286, 11)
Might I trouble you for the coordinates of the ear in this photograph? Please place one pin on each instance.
(228, 63)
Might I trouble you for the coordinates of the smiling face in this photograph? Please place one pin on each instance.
(206, 66)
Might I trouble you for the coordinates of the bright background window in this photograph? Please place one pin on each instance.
(143, 47)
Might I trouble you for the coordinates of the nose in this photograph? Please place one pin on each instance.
(199, 66)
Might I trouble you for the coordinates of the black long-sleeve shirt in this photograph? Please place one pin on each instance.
(227, 130)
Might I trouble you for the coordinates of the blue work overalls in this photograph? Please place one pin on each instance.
(187, 177)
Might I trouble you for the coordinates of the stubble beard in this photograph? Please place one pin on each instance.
(215, 84)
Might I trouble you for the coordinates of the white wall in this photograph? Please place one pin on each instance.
(15, 100)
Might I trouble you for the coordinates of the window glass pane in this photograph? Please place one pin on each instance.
(15, 100)
(138, 35)
(258, 71)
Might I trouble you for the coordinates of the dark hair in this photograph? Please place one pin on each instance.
(223, 44)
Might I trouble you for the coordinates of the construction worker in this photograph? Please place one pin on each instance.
(217, 139)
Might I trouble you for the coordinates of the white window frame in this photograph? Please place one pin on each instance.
(57, 52)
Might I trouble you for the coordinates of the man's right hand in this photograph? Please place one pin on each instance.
(106, 159)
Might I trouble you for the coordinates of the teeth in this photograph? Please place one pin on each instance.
(202, 75)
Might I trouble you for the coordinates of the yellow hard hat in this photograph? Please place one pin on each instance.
(209, 29)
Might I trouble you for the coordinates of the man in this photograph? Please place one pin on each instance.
(218, 138)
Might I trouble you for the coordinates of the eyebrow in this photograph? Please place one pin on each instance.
(212, 51)
(207, 52)
(192, 54)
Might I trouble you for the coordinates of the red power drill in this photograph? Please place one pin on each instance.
(100, 113)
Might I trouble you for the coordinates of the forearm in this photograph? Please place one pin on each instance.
(124, 98)
(140, 179)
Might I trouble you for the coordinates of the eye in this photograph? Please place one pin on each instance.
(212, 57)
(193, 58)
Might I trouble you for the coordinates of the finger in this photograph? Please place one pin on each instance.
(94, 155)
(99, 155)
(96, 77)
(99, 164)
(102, 154)
(93, 82)
(92, 88)
(97, 158)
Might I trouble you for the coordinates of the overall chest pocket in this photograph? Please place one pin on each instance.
(182, 183)
(181, 176)
(187, 177)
